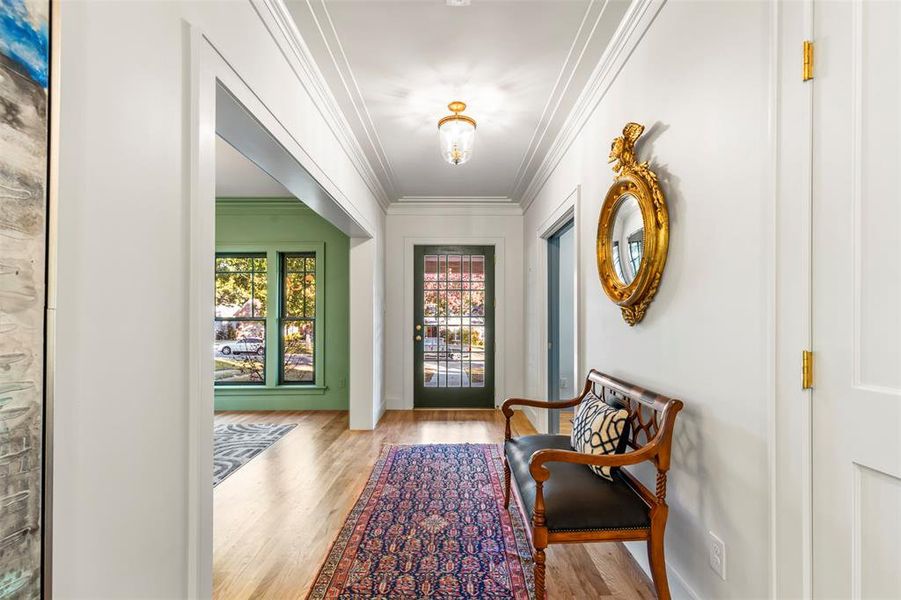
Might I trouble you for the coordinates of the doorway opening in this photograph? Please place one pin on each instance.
(279, 348)
(561, 346)
(272, 336)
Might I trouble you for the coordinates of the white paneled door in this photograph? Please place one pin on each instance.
(856, 230)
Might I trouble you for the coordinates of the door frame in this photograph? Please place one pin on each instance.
(208, 77)
(500, 296)
(569, 209)
(789, 263)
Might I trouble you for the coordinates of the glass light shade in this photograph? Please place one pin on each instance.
(457, 135)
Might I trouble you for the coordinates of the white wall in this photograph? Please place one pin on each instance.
(699, 81)
(438, 223)
(120, 526)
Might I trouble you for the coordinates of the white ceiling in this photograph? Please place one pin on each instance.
(238, 177)
(393, 66)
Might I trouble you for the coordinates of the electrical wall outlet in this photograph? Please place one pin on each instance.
(717, 555)
(564, 383)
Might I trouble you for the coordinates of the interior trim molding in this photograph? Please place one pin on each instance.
(568, 70)
(335, 48)
(771, 253)
(458, 199)
(637, 20)
(209, 78)
(356, 103)
(297, 53)
(568, 209)
(679, 587)
(788, 257)
(473, 207)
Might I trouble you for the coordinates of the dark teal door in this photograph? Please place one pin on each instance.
(561, 324)
(453, 327)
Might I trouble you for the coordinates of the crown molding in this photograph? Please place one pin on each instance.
(456, 199)
(637, 20)
(349, 82)
(287, 37)
(455, 207)
(585, 34)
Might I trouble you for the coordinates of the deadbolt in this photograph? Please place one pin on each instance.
(419, 328)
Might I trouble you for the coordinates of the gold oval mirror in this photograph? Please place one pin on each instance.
(633, 230)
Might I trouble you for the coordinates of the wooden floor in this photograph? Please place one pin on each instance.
(275, 518)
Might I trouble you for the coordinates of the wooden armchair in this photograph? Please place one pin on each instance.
(564, 502)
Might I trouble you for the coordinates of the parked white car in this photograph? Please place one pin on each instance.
(244, 345)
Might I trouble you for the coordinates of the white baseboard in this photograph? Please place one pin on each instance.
(532, 415)
(678, 587)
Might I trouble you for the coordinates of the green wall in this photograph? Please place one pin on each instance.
(262, 225)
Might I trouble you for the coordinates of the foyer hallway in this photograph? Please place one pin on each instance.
(276, 517)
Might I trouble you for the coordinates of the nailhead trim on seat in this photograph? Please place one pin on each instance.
(601, 529)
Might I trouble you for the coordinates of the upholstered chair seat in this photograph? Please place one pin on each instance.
(575, 499)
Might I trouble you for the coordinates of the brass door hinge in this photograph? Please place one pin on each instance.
(806, 369)
(807, 73)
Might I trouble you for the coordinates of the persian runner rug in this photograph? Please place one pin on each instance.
(431, 523)
(234, 445)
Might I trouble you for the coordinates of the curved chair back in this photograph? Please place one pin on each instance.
(652, 418)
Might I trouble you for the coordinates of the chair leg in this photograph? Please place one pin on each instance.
(506, 483)
(540, 592)
(658, 563)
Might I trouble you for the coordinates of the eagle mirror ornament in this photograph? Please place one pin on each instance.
(633, 230)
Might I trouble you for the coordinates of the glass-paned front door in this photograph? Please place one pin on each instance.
(454, 326)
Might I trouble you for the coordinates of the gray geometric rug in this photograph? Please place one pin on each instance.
(235, 445)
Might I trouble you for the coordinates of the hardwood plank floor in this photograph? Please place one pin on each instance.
(275, 518)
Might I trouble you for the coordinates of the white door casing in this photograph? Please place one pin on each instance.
(856, 312)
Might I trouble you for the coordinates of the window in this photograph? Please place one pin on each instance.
(297, 322)
(617, 265)
(636, 248)
(241, 303)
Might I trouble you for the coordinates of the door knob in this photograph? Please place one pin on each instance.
(418, 338)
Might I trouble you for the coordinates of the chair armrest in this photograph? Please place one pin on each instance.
(540, 473)
(509, 403)
(546, 404)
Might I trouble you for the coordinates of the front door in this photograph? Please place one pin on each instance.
(856, 321)
(453, 327)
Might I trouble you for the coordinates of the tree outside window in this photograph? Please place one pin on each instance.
(297, 326)
(240, 321)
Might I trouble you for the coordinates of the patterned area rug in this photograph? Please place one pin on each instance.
(235, 445)
(431, 524)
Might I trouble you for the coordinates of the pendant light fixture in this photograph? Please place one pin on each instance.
(456, 134)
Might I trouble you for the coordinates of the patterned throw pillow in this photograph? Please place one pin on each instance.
(598, 429)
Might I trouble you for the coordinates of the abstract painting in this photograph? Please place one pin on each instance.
(24, 155)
